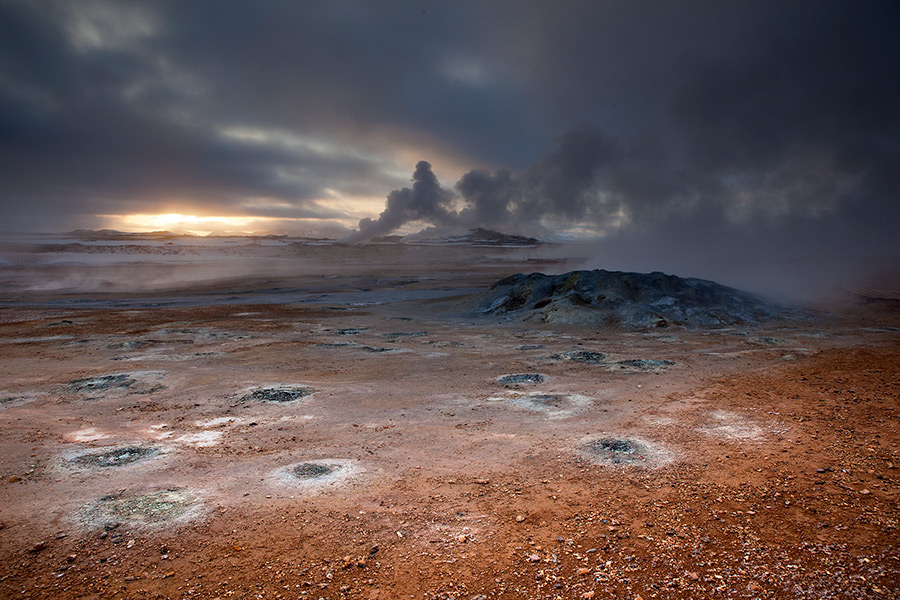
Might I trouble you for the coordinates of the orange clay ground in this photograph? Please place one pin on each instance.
(763, 463)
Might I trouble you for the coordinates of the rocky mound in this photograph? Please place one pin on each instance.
(627, 300)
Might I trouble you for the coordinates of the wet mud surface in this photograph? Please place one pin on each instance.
(482, 459)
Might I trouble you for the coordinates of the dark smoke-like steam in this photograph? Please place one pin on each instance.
(561, 185)
(426, 201)
(793, 149)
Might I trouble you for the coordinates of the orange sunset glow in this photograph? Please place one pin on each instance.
(198, 224)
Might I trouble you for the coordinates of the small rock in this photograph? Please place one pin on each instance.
(588, 595)
(38, 546)
(461, 538)
(14, 479)
(692, 576)
(519, 518)
(71, 558)
(865, 492)
(583, 571)
(533, 558)
(169, 574)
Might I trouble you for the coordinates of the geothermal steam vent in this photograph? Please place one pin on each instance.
(627, 300)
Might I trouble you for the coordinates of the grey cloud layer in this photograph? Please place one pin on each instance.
(686, 123)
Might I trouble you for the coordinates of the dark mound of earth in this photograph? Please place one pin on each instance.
(628, 300)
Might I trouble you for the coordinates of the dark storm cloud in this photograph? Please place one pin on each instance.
(791, 142)
(133, 122)
(703, 123)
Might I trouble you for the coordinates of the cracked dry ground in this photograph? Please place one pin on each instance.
(781, 478)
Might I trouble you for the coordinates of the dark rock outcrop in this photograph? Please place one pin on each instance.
(628, 300)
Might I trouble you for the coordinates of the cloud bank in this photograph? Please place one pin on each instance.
(702, 126)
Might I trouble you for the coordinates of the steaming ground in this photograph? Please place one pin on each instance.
(353, 432)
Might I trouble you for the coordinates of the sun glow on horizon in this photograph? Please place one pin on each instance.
(181, 223)
(178, 222)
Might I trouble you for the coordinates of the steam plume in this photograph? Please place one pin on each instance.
(560, 185)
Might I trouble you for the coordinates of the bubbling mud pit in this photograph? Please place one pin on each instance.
(153, 509)
(117, 384)
(311, 474)
(278, 394)
(625, 451)
(581, 356)
(517, 378)
(551, 405)
(104, 382)
(307, 471)
(630, 365)
(117, 457)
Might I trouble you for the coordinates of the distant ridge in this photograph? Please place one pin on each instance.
(480, 237)
(474, 237)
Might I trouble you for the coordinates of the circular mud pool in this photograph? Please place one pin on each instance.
(641, 365)
(148, 509)
(548, 404)
(116, 457)
(117, 384)
(315, 473)
(624, 451)
(580, 356)
(515, 378)
(308, 470)
(546, 400)
(102, 383)
(279, 394)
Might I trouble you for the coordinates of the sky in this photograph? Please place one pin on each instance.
(701, 126)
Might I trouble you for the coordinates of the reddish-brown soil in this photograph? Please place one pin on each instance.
(771, 468)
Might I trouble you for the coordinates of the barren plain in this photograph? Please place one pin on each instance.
(350, 428)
